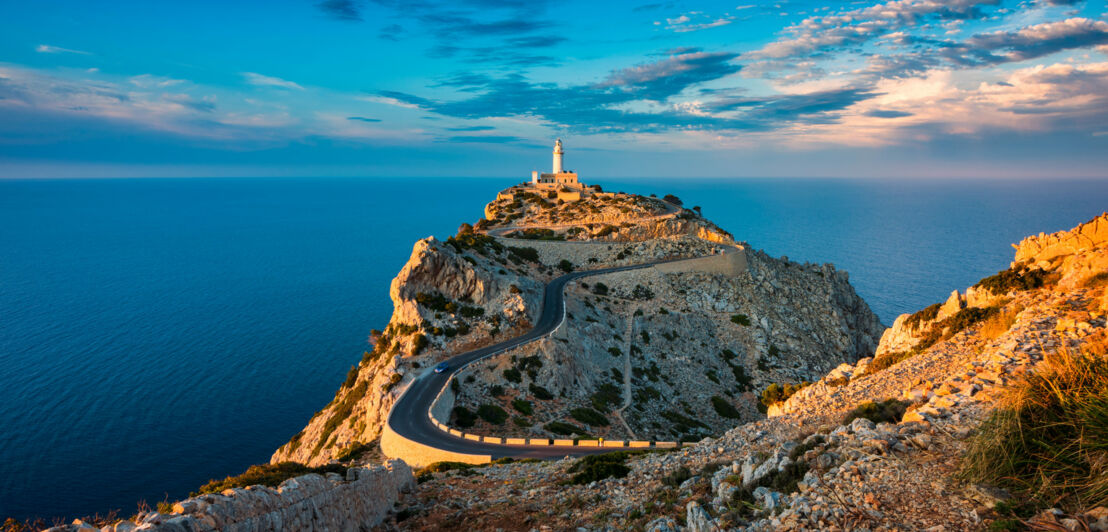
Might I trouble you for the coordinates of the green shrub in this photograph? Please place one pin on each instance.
(887, 360)
(776, 393)
(492, 413)
(267, 475)
(677, 477)
(645, 335)
(564, 429)
(1018, 277)
(615, 351)
(600, 289)
(599, 467)
(355, 451)
(589, 416)
(724, 408)
(442, 467)
(642, 293)
(527, 254)
(927, 314)
(540, 393)
(804, 447)
(1048, 440)
(521, 422)
(419, 343)
(463, 417)
(741, 319)
(523, 406)
(887, 411)
(341, 412)
(605, 396)
(496, 390)
(565, 266)
(513, 375)
(351, 377)
(785, 480)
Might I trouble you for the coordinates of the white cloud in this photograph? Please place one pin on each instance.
(260, 80)
(48, 49)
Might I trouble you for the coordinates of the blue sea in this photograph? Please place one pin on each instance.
(157, 333)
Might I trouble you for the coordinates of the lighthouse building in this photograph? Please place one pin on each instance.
(558, 178)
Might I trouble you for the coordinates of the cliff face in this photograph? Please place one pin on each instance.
(449, 297)
(704, 334)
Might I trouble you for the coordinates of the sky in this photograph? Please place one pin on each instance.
(480, 88)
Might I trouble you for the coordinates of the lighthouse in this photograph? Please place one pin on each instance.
(559, 181)
(558, 157)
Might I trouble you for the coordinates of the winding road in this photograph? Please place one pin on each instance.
(409, 418)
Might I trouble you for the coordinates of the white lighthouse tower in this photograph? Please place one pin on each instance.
(558, 157)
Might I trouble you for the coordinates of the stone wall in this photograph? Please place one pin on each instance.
(394, 445)
(309, 502)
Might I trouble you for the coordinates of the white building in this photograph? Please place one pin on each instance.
(558, 178)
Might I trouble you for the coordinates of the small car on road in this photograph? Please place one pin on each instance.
(443, 366)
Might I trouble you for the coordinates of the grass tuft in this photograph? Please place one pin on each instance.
(1048, 440)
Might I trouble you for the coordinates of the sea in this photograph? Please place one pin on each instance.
(158, 333)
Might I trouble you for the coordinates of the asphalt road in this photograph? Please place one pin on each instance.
(408, 416)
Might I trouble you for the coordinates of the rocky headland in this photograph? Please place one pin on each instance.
(801, 411)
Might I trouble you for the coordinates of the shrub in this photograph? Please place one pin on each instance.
(267, 475)
(419, 343)
(523, 406)
(564, 429)
(645, 335)
(492, 413)
(463, 417)
(442, 467)
(615, 351)
(741, 319)
(355, 451)
(540, 393)
(1096, 280)
(599, 467)
(600, 289)
(1018, 277)
(670, 198)
(776, 393)
(887, 411)
(496, 390)
(351, 377)
(589, 416)
(343, 410)
(677, 477)
(927, 314)
(887, 360)
(513, 375)
(605, 396)
(724, 408)
(528, 254)
(642, 293)
(471, 312)
(565, 266)
(1048, 440)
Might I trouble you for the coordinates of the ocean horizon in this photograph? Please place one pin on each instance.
(157, 333)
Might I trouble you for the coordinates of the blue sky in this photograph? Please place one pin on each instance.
(906, 88)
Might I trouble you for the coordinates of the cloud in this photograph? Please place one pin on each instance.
(1038, 40)
(346, 10)
(363, 119)
(487, 139)
(269, 81)
(882, 113)
(854, 27)
(681, 23)
(392, 32)
(48, 49)
(471, 128)
(661, 79)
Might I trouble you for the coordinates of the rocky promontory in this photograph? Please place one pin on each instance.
(666, 352)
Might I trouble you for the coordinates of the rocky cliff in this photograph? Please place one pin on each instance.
(704, 338)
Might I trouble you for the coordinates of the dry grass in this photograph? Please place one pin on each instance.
(1048, 440)
(1000, 322)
